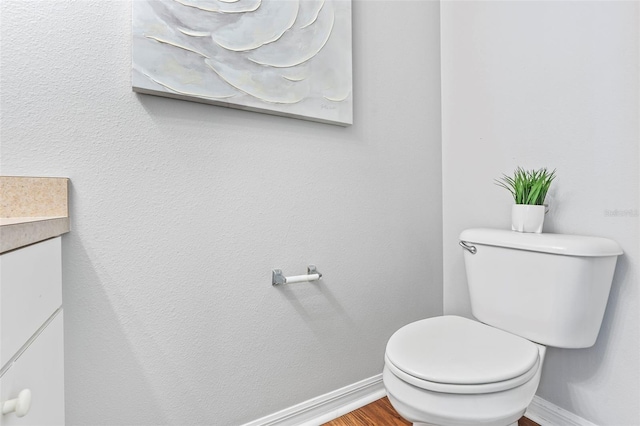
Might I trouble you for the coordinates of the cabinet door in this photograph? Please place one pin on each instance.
(30, 292)
(40, 369)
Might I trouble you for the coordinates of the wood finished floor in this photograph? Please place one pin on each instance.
(381, 413)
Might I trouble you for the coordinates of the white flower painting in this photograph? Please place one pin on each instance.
(283, 57)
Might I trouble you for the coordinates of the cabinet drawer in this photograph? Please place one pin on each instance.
(40, 369)
(30, 291)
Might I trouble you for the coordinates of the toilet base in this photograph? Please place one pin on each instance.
(427, 408)
(428, 424)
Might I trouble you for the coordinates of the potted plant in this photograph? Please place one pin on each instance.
(529, 189)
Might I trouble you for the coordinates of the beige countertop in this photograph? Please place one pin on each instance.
(32, 209)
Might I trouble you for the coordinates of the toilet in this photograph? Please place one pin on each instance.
(527, 292)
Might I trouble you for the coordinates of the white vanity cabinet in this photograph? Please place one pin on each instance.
(31, 334)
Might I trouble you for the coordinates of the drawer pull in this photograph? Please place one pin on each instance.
(20, 405)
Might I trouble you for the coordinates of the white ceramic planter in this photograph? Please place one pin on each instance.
(527, 218)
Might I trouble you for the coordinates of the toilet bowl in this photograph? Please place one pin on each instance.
(457, 372)
(523, 288)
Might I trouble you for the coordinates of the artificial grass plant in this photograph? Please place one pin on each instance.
(528, 186)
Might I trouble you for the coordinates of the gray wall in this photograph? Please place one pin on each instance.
(550, 84)
(181, 210)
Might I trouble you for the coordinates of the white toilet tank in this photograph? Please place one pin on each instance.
(548, 288)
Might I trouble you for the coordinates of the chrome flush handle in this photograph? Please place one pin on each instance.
(468, 247)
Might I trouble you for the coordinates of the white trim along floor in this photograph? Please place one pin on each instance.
(332, 405)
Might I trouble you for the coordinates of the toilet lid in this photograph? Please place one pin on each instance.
(459, 351)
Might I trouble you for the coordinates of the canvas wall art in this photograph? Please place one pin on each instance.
(284, 57)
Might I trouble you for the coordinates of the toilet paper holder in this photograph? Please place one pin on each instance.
(278, 278)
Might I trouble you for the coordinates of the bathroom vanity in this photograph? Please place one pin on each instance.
(33, 216)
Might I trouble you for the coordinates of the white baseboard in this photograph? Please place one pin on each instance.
(327, 407)
(332, 405)
(547, 414)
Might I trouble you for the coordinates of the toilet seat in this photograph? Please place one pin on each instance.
(457, 355)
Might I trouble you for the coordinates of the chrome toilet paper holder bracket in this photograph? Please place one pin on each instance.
(278, 278)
